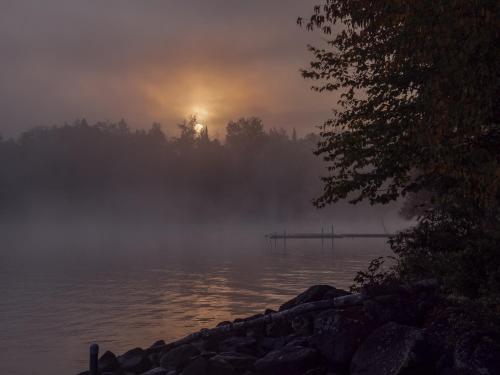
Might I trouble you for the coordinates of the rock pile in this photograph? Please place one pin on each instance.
(323, 331)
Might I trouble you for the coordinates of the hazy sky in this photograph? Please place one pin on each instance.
(156, 61)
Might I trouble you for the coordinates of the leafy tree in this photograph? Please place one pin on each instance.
(420, 91)
(187, 139)
(418, 113)
(156, 134)
(244, 133)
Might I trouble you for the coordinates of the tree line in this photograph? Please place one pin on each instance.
(253, 170)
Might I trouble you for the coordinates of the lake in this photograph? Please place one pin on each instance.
(59, 296)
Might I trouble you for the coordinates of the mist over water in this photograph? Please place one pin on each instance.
(125, 281)
(124, 237)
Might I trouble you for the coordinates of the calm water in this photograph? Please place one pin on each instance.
(56, 300)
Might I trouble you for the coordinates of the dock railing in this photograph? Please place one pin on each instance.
(322, 236)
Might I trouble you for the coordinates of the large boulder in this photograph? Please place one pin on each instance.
(290, 360)
(302, 324)
(157, 347)
(392, 349)
(156, 371)
(177, 358)
(154, 358)
(339, 333)
(219, 366)
(246, 345)
(198, 366)
(477, 353)
(212, 342)
(393, 308)
(135, 361)
(267, 344)
(240, 362)
(298, 340)
(108, 362)
(445, 365)
(212, 366)
(279, 328)
(313, 294)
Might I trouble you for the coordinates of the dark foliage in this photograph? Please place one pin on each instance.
(419, 115)
(420, 91)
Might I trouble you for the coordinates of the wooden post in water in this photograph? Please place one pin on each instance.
(94, 354)
(332, 236)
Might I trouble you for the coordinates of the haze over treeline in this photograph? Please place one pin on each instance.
(251, 171)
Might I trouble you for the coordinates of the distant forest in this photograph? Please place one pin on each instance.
(251, 171)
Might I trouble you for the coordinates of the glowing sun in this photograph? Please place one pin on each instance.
(198, 128)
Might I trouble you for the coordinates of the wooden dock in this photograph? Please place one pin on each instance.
(305, 236)
(331, 235)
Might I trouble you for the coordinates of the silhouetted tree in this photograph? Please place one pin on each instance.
(414, 95)
(419, 111)
(244, 133)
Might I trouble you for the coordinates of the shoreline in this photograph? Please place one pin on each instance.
(403, 329)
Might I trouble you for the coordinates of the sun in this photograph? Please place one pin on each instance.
(198, 128)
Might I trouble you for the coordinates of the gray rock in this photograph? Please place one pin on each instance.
(392, 308)
(317, 371)
(156, 371)
(477, 353)
(154, 358)
(267, 344)
(218, 366)
(108, 362)
(177, 358)
(279, 328)
(199, 366)
(445, 365)
(349, 300)
(157, 347)
(292, 360)
(212, 342)
(158, 343)
(302, 325)
(313, 294)
(244, 344)
(256, 316)
(135, 361)
(258, 332)
(240, 362)
(338, 334)
(294, 340)
(208, 354)
(392, 349)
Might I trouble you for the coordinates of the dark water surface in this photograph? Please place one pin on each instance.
(58, 298)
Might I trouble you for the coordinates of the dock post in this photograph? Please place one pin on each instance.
(333, 235)
(94, 353)
(322, 237)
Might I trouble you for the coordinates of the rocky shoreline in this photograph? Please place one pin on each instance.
(399, 330)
